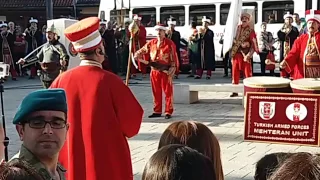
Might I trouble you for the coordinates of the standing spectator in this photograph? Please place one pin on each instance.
(193, 48)
(265, 42)
(19, 49)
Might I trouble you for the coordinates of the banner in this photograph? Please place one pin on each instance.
(282, 118)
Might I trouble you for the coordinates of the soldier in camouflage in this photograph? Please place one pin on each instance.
(42, 126)
(53, 58)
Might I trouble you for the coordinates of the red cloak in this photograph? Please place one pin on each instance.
(295, 59)
(102, 113)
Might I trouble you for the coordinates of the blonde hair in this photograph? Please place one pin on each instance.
(197, 136)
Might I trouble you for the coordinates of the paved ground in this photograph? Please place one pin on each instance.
(223, 115)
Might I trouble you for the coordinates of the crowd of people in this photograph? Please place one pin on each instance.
(186, 150)
(66, 134)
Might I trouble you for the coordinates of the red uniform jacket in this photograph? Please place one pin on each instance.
(296, 57)
(102, 113)
(141, 36)
(166, 54)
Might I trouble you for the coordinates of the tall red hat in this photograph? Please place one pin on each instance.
(84, 34)
(313, 15)
(137, 17)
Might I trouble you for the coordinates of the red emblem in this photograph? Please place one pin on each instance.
(266, 110)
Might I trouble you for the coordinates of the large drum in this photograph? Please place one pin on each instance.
(266, 84)
(307, 86)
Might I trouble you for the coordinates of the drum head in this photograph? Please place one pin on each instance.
(306, 84)
(266, 82)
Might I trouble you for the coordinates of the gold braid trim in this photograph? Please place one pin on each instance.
(244, 35)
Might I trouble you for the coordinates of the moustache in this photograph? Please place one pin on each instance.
(47, 138)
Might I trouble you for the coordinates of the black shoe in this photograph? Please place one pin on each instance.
(226, 75)
(197, 77)
(31, 77)
(234, 95)
(168, 116)
(14, 79)
(190, 76)
(154, 115)
(208, 77)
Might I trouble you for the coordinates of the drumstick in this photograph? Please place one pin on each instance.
(269, 62)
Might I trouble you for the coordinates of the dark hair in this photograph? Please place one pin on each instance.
(295, 14)
(176, 162)
(19, 170)
(268, 164)
(300, 166)
(193, 24)
(197, 136)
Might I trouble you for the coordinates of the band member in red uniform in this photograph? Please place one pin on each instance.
(6, 46)
(304, 56)
(176, 38)
(34, 39)
(96, 147)
(140, 40)
(287, 35)
(207, 51)
(164, 62)
(244, 45)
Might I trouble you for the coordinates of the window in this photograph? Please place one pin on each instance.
(224, 11)
(116, 15)
(318, 5)
(102, 15)
(309, 4)
(148, 16)
(177, 13)
(255, 9)
(273, 12)
(196, 13)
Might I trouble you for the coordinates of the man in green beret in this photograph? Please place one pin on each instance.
(41, 122)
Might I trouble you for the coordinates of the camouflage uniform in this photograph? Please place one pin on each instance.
(49, 58)
(26, 155)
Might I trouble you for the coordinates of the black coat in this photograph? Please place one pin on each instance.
(209, 51)
(293, 35)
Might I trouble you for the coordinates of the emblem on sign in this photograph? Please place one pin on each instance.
(267, 110)
(72, 51)
(296, 112)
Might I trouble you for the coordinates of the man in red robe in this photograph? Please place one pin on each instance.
(164, 62)
(304, 57)
(100, 121)
(139, 40)
(244, 45)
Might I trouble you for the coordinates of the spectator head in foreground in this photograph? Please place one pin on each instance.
(268, 164)
(197, 136)
(177, 162)
(300, 166)
(18, 170)
(41, 122)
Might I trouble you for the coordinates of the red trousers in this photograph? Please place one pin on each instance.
(239, 65)
(160, 81)
(33, 71)
(200, 72)
(143, 69)
(13, 72)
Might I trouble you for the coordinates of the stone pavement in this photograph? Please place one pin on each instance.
(224, 116)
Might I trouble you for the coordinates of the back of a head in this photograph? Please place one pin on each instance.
(18, 170)
(177, 162)
(197, 136)
(300, 166)
(268, 164)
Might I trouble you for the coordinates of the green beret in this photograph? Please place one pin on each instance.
(41, 100)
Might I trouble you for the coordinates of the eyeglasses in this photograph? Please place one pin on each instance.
(6, 141)
(40, 124)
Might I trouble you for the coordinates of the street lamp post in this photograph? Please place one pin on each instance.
(49, 9)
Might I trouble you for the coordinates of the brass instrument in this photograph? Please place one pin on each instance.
(169, 34)
(133, 29)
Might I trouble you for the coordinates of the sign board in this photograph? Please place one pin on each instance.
(282, 118)
(61, 25)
